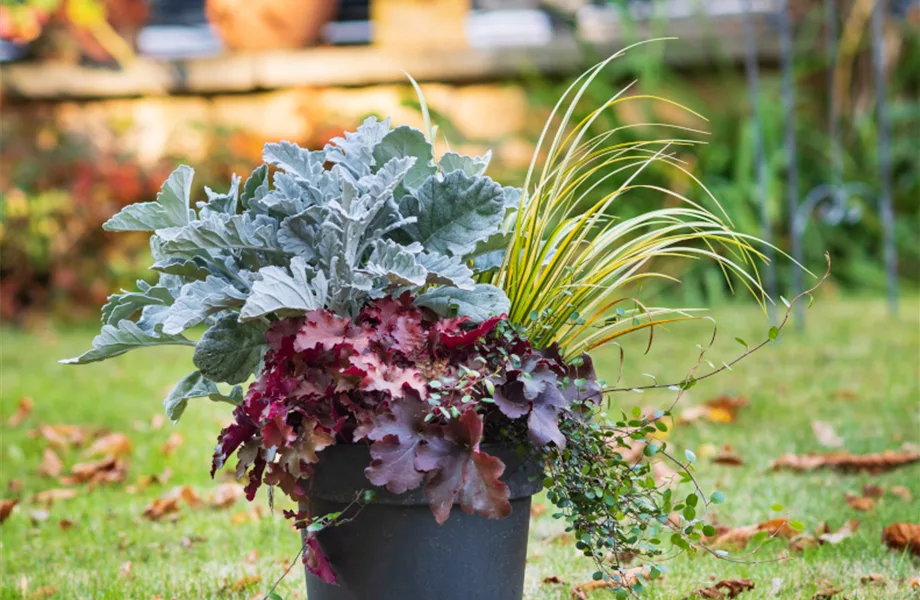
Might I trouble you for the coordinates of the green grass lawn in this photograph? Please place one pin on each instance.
(853, 367)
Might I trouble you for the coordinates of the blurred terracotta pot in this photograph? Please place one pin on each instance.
(269, 24)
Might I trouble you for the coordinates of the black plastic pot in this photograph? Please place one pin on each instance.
(394, 549)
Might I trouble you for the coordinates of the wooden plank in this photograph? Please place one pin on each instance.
(722, 39)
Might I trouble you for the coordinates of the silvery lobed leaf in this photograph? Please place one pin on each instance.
(446, 270)
(480, 303)
(283, 292)
(193, 385)
(152, 317)
(404, 142)
(295, 160)
(490, 252)
(223, 232)
(387, 178)
(355, 150)
(171, 209)
(200, 299)
(298, 235)
(221, 203)
(395, 263)
(124, 305)
(255, 188)
(230, 351)
(512, 198)
(114, 340)
(473, 166)
(454, 213)
(189, 268)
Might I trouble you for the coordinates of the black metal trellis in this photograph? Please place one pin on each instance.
(884, 161)
(835, 193)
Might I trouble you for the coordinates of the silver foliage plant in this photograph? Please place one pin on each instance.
(384, 219)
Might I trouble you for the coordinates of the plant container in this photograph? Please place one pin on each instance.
(395, 550)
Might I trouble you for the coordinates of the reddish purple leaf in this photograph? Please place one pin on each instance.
(317, 563)
(396, 436)
(464, 338)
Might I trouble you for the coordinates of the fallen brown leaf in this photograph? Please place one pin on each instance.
(117, 444)
(62, 436)
(560, 537)
(172, 442)
(39, 516)
(914, 582)
(899, 536)
(846, 462)
(732, 587)
(110, 469)
(722, 409)
(874, 579)
(125, 569)
(826, 593)
(254, 515)
(728, 459)
(740, 536)
(49, 497)
(66, 524)
(188, 542)
(627, 577)
(873, 491)
(157, 421)
(51, 465)
(6, 507)
(225, 495)
(835, 537)
(826, 435)
(22, 412)
(253, 556)
(536, 510)
(860, 503)
(45, 591)
(902, 492)
(145, 481)
(244, 582)
(554, 579)
(161, 507)
(14, 486)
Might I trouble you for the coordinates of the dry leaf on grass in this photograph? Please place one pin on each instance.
(22, 412)
(242, 583)
(627, 578)
(45, 591)
(902, 492)
(125, 569)
(899, 536)
(117, 444)
(874, 579)
(254, 515)
(848, 463)
(6, 507)
(728, 459)
(49, 497)
(914, 582)
(167, 505)
(157, 421)
(845, 531)
(51, 465)
(145, 481)
(110, 469)
(860, 503)
(560, 537)
(253, 556)
(873, 491)
(826, 593)
(172, 442)
(62, 436)
(554, 579)
(826, 435)
(225, 495)
(39, 516)
(536, 510)
(722, 409)
(727, 588)
(740, 536)
(66, 524)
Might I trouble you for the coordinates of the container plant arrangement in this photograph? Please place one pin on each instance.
(419, 338)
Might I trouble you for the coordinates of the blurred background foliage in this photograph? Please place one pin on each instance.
(60, 184)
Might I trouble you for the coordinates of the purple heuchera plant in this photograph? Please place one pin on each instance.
(421, 390)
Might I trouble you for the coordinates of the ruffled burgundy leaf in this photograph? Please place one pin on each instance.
(327, 330)
(510, 399)
(316, 562)
(458, 470)
(397, 436)
(458, 337)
